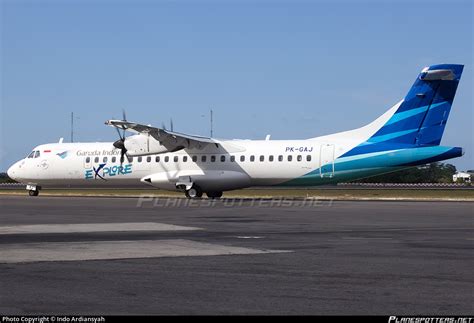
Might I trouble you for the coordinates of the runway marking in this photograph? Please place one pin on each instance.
(249, 237)
(106, 250)
(92, 227)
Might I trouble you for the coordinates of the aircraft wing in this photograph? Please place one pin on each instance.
(169, 139)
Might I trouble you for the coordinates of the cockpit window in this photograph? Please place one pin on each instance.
(31, 154)
(37, 154)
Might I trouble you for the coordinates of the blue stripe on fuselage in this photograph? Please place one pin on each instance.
(369, 164)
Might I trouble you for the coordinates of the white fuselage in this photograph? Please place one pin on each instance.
(220, 166)
(225, 166)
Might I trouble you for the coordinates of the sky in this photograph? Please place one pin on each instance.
(292, 69)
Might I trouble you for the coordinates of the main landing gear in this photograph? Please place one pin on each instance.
(33, 190)
(194, 192)
(214, 194)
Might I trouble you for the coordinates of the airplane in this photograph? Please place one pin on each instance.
(407, 135)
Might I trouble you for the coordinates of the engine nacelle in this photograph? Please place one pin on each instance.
(144, 144)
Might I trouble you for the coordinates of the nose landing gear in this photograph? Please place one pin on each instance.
(33, 190)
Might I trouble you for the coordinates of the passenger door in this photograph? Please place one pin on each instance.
(326, 160)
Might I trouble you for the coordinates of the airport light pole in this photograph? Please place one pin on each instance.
(211, 124)
(72, 126)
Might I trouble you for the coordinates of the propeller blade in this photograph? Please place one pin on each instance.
(120, 143)
(124, 116)
(120, 135)
(122, 156)
(171, 124)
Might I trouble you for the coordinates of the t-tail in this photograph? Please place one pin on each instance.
(418, 121)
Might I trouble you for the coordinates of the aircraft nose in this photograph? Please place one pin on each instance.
(11, 171)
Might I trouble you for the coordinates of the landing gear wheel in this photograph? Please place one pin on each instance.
(33, 192)
(214, 194)
(194, 192)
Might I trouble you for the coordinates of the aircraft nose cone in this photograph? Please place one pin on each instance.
(11, 172)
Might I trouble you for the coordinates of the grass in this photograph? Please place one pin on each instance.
(336, 194)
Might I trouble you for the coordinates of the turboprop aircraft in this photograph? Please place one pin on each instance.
(407, 135)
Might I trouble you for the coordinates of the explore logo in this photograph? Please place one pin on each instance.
(102, 171)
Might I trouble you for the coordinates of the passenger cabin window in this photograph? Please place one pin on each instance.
(129, 158)
(222, 158)
(308, 158)
(114, 159)
(175, 159)
(232, 158)
(262, 158)
(88, 160)
(96, 160)
(157, 159)
(185, 159)
(167, 159)
(242, 158)
(213, 158)
(139, 159)
(280, 158)
(148, 159)
(252, 158)
(270, 158)
(290, 158)
(104, 160)
(299, 158)
(203, 159)
(195, 159)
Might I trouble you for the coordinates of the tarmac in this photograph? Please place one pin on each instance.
(91, 256)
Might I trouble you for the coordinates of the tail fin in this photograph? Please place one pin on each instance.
(421, 117)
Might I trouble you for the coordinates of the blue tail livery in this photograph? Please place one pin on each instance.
(421, 117)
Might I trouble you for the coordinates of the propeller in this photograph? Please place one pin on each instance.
(120, 144)
(171, 125)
